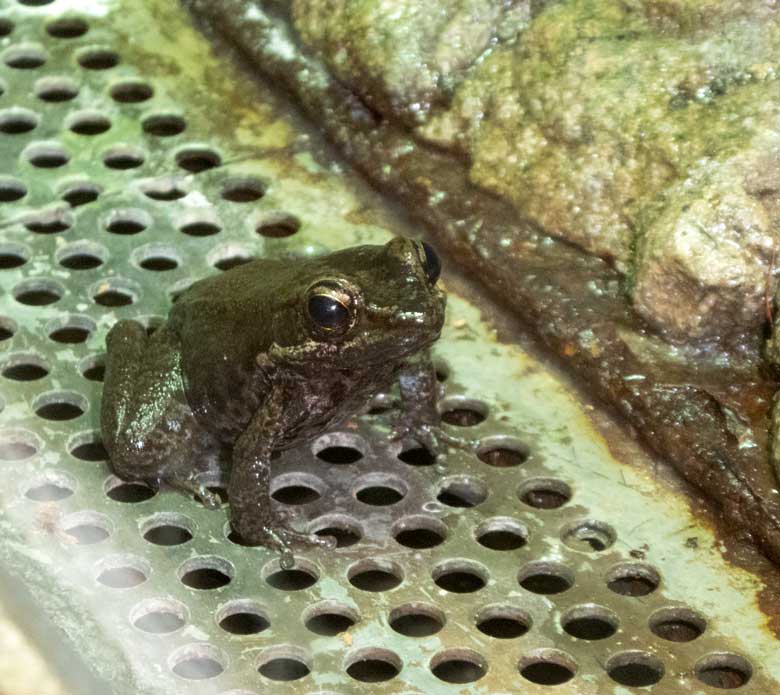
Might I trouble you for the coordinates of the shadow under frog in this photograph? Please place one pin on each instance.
(266, 357)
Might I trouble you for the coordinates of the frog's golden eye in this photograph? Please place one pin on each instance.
(330, 308)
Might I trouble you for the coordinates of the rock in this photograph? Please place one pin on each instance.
(593, 123)
(703, 265)
(402, 56)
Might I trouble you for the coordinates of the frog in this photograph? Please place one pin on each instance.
(264, 358)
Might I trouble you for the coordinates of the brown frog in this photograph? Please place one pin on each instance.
(265, 357)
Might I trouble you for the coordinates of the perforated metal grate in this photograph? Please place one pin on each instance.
(134, 162)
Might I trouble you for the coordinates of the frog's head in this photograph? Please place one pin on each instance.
(374, 304)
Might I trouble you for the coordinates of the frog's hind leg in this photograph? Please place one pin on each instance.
(148, 427)
(125, 347)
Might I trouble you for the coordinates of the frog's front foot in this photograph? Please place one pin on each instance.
(432, 437)
(206, 497)
(273, 532)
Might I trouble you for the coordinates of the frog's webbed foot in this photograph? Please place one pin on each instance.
(275, 533)
(432, 437)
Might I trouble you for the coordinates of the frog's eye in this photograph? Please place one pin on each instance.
(330, 309)
(431, 263)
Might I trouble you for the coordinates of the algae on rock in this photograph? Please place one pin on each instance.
(603, 123)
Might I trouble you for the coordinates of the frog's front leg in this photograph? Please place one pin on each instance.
(252, 514)
(419, 418)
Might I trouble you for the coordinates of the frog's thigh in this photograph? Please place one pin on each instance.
(126, 343)
(149, 429)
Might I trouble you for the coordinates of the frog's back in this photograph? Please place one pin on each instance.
(223, 322)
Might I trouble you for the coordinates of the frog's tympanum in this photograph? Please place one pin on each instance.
(265, 357)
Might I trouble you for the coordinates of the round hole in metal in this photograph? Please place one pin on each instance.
(199, 224)
(70, 329)
(122, 571)
(87, 528)
(164, 189)
(7, 328)
(503, 622)
(49, 222)
(373, 665)
(67, 28)
(13, 256)
(590, 622)
(677, 624)
(128, 492)
(18, 444)
(93, 368)
(168, 529)
(296, 488)
(301, 576)
(502, 452)
(635, 669)
(633, 579)
(284, 663)
(159, 616)
(128, 221)
(46, 155)
(163, 125)
(419, 532)
(113, 292)
(38, 292)
(78, 193)
(58, 406)
(460, 576)
(131, 91)
(243, 190)
(417, 619)
(196, 159)
(462, 491)
(243, 617)
(501, 533)
(24, 57)
(88, 123)
(458, 666)
(463, 412)
(55, 89)
(97, 58)
(588, 536)
(16, 121)
(50, 487)
(547, 667)
(380, 489)
(414, 454)
(87, 446)
(81, 255)
(123, 157)
(544, 493)
(546, 578)
(375, 575)
(11, 190)
(723, 670)
(343, 528)
(278, 226)
(197, 662)
(328, 618)
(206, 572)
(24, 367)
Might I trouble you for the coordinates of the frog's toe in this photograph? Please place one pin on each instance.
(449, 440)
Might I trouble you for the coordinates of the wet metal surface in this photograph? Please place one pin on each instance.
(542, 564)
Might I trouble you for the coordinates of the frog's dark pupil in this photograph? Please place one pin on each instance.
(328, 312)
(432, 263)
